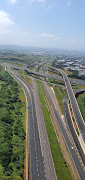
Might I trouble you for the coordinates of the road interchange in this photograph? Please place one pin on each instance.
(65, 135)
(76, 111)
(50, 76)
(81, 174)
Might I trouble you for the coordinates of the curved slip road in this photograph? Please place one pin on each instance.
(78, 117)
(37, 161)
(75, 159)
(69, 144)
(68, 119)
(55, 77)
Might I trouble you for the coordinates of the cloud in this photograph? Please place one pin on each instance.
(38, 1)
(12, 1)
(52, 36)
(5, 18)
(47, 35)
(69, 4)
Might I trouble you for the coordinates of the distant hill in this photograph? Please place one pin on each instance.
(50, 51)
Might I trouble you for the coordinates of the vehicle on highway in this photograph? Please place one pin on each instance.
(72, 147)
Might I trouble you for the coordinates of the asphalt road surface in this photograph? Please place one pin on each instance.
(55, 77)
(48, 161)
(75, 108)
(38, 171)
(77, 114)
(38, 161)
(63, 130)
(68, 118)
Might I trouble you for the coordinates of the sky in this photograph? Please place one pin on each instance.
(43, 23)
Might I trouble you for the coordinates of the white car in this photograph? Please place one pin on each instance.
(72, 147)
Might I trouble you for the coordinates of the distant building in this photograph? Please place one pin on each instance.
(82, 67)
(61, 60)
(81, 73)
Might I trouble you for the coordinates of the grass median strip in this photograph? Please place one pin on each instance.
(25, 75)
(60, 93)
(61, 168)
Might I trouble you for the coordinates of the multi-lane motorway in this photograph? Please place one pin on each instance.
(49, 165)
(37, 169)
(69, 122)
(73, 154)
(37, 161)
(55, 77)
(40, 163)
(77, 114)
(50, 76)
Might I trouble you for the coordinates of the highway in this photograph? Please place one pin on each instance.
(37, 169)
(42, 167)
(73, 154)
(72, 80)
(55, 77)
(49, 165)
(50, 76)
(77, 114)
(34, 126)
(68, 119)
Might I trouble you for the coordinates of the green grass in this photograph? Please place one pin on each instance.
(53, 72)
(31, 68)
(1, 82)
(1, 61)
(56, 82)
(15, 64)
(18, 59)
(37, 69)
(23, 72)
(60, 93)
(23, 108)
(67, 72)
(25, 75)
(12, 69)
(78, 86)
(81, 103)
(62, 170)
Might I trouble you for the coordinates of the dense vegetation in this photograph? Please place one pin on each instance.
(19, 58)
(75, 74)
(57, 64)
(12, 134)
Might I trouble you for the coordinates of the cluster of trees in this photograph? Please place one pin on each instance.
(59, 65)
(20, 58)
(75, 74)
(12, 134)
